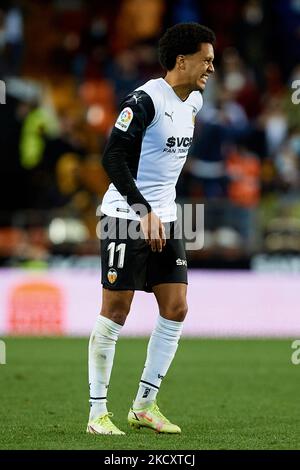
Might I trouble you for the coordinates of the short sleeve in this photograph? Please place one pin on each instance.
(196, 100)
(136, 114)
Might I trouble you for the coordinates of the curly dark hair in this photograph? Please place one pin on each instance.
(183, 38)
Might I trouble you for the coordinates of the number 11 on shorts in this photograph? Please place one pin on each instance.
(112, 249)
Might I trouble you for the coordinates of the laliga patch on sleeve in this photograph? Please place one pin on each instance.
(124, 119)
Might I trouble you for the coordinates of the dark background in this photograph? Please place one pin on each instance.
(67, 65)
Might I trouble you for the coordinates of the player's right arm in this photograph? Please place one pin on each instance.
(121, 158)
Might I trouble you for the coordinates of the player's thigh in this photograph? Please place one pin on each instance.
(123, 256)
(167, 276)
(116, 304)
(171, 299)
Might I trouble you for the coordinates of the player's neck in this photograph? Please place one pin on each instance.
(182, 90)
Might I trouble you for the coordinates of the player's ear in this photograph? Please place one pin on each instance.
(180, 62)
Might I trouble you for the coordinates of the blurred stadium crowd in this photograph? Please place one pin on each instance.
(68, 63)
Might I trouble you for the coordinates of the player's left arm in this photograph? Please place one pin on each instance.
(119, 159)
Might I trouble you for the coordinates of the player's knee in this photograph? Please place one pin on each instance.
(175, 312)
(116, 311)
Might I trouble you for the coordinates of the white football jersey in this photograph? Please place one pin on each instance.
(160, 127)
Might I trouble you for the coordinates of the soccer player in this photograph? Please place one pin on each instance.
(143, 158)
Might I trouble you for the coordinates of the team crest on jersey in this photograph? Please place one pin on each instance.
(112, 276)
(124, 119)
(194, 116)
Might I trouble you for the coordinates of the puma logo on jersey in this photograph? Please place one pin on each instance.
(181, 262)
(169, 115)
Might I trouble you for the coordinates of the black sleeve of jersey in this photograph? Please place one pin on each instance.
(121, 154)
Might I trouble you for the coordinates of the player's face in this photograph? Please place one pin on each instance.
(199, 66)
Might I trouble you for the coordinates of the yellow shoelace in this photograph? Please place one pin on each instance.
(105, 420)
(161, 416)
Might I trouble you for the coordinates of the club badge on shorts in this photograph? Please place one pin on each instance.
(112, 276)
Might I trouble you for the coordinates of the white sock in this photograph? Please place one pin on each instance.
(161, 350)
(101, 355)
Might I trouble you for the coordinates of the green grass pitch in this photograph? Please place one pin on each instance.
(225, 394)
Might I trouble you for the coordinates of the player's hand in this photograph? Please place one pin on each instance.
(154, 231)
